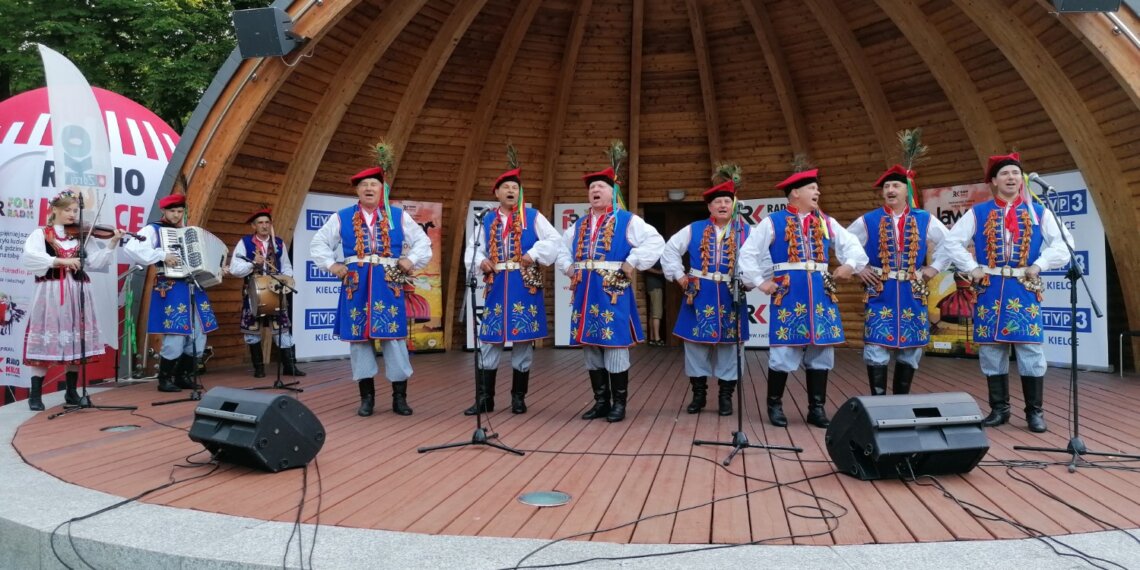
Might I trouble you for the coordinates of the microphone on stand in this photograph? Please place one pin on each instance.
(1036, 179)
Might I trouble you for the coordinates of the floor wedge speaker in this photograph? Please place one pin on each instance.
(875, 437)
(270, 432)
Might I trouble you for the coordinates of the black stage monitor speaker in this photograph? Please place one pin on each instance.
(1086, 5)
(872, 437)
(264, 431)
(264, 32)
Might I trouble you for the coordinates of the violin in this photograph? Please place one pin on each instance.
(98, 231)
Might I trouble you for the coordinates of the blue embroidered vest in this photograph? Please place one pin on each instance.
(512, 312)
(1006, 311)
(895, 316)
(802, 312)
(249, 322)
(370, 307)
(708, 317)
(170, 307)
(598, 318)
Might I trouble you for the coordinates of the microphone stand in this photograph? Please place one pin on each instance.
(196, 391)
(282, 309)
(739, 438)
(80, 276)
(480, 436)
(1076, 447)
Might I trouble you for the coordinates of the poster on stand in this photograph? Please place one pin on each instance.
(758, 302)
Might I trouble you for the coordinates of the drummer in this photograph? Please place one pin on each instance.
(262, 259)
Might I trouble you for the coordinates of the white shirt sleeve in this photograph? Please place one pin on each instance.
(858, 228)
(954, 246)
(238, 266)
(480, 254)
(417, 246)
(566, 250)
(326, 243)
(99, 254)
(847, 248)
(1054, 254)
(146, 252)
(936, 233)
(545, 251)
(36, 258)
(286, 265)
(647, 244)
(755, 260)
(671, 264)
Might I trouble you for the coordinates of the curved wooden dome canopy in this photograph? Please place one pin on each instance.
(685, 83)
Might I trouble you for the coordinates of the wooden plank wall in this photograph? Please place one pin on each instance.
(752, 126)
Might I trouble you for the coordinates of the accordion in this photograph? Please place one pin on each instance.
(201, 252)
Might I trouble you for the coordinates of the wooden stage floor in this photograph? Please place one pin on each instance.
(639, 481)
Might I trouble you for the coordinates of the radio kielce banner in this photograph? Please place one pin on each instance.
(758, 303)
(1075, 206)
(318, 291)
(140, 146)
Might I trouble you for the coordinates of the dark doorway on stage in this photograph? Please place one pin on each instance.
(669, 218)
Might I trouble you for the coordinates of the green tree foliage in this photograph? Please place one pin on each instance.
(160, 53)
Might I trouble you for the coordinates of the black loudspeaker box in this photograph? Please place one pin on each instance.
(264, 32)
(270, 432)
(1086, 5)
(875, 437)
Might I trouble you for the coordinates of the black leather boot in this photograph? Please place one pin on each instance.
(185, 375)
(1033, 388)
(776, 382)
(817, 397)
(71, 381)
(600, 382)
(904, 373)
(999, 400)
(700, 386)
(400, 398)
(484, 399)
(520, 383)
(166, 368)
(35, 394)
(619, 383)
(289, 362)
(724, 398)
(255, 357)
(877, 375)
(367, 397)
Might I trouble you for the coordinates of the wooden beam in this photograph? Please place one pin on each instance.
(373, 42)
(859, 69)
(781, 77)
(1115, 52)
(480, 125)
(227, 125)
(420, 87)
(704, 70)
(562, 103)
(1098, 162)
(950, 74)
(637, 41)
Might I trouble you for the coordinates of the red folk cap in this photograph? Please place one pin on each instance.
(262, 212)
(802, 178)
(374, 172)
(608, 176)
(726, 188)
(896, 173)
(998, 162)
(508, 176)
(173, 201)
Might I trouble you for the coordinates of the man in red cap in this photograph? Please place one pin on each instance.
(787, 254)
(381, 246)
(706, 322)
(1014, 240)
(262, 253)
(513, 240)
(897, 238)
(179, 310)
(600, 253)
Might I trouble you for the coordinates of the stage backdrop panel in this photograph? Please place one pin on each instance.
(758, 302)
(1079, 214)
(314, 304)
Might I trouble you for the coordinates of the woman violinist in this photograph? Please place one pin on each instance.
(51, 254)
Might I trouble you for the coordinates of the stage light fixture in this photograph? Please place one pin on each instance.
(1065, 6)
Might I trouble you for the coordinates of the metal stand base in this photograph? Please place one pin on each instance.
(480, 437)
(740, 442)
(85, 404)
(1076, 449)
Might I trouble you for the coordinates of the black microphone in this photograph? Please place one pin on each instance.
(1033, 177)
